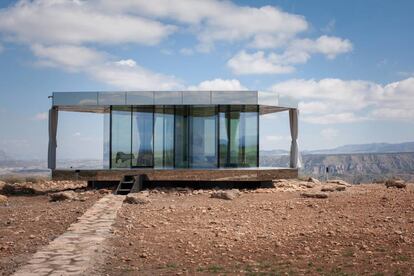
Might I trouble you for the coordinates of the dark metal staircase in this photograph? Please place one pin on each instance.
(129, 184)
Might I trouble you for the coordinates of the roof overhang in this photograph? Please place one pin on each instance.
(99, 102)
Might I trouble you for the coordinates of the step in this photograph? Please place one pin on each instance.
(124, 190)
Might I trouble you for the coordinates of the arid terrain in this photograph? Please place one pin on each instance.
(364, 230)
(30, 220)
(351, 230)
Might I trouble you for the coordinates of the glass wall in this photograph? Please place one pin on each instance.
(121, 137)
(142, 136)
(238, 136)
(164, 137)
(181, 136)
(203, 137)
(184, 136)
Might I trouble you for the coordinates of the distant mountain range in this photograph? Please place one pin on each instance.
(352, 149)
(367, 148)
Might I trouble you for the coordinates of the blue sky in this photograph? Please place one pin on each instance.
(348, 63)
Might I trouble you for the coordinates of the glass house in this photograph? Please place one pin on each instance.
(177, 129)
(184, 136)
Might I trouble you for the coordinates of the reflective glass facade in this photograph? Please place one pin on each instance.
(184, 136)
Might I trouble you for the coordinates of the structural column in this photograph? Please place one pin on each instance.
(53, 122)
(294, 151)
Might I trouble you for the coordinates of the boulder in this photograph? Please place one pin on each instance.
(314, 180)
(226, 194)
(61, 196)
(333, 188)
(3, 200)
(397, 183)
(314, 195)
(328, 189)
(136, 199)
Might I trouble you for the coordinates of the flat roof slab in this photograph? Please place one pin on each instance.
(77, 101)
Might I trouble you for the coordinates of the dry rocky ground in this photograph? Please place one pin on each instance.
(362, 230)
(30, 220)
(294, 228)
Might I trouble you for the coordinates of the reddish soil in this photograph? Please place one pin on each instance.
(29, 222)
(365, 230)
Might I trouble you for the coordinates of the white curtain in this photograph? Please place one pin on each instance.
(53, 122)
(294, 151)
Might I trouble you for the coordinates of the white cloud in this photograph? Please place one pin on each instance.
(125, 76)
(77, 22)
(122, 74)
(298, 52)
(186, 51)
(329, 133)
(42, 116)
(126, 62)
(66, 56)
(256, 63)
(213, 21)
(332, 101)
(67, 34)
(329, 46)
(218, 84)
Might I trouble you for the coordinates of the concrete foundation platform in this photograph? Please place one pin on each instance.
(225, 174)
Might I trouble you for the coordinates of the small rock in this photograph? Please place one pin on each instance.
(397, 183)
(339, 182)
(314, 195)
(340, 188)
(61, 196)
(314, 180)
(104, 191)
(328, 189)
(136, 199)
(333, 189)
(3, 200)
(227, 194)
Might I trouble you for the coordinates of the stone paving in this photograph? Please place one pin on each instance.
(76, 251)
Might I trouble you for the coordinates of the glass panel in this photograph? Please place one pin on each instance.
(111, 98)
(168, 97)
(251, 137)
(164, 137)
(75, 98)
(121, 137)
(140, 98)
(238, 136)
(234, 97)
(223, 135)
(181, 137)
(142, 136)
(203, 139)
(106, 139)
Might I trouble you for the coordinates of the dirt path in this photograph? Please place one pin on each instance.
(76, 251)
(30, 222)
(365, 230)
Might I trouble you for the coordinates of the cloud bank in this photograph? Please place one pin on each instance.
(332, 101)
